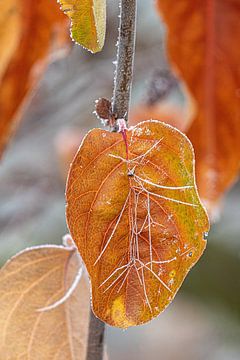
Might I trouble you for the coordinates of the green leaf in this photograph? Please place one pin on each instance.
(88, 22)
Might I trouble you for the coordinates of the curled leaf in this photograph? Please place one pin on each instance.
(135, 215)
(35, 279)
(88, 19)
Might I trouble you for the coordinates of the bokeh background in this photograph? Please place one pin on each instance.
(203, 323)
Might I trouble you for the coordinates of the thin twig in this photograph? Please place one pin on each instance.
(125, 59)
(95, 349)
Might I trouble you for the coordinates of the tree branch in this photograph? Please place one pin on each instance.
(95, 349)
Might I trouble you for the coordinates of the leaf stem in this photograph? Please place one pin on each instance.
(95, 349)
(125, 59)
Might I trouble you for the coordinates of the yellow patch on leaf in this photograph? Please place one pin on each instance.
(88, 19)
(135, 215)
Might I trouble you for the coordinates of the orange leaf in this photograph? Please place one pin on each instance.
(203, 45)
(31, 29)
(136, 219)
(33, 279)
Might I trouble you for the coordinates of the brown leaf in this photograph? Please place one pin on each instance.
(29, 30)
(203, 46)
(135, 215)
(33, 279)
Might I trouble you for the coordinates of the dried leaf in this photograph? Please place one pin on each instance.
(136, 218)
(29, 29)
(33, 279)
(88, 22)
(203, 45)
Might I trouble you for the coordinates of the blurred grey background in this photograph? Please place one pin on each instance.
(203, 323)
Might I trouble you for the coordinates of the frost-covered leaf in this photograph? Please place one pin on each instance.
(29, 31)
(203, 47)
(136, 218)
(35, 279)
(88, 19)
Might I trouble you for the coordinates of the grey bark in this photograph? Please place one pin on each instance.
(125, 59)
(95, 350)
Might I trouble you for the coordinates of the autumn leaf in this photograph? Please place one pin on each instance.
(136, 218)
(88, 19)
(29, 31)
(35, 279)
(202, 44)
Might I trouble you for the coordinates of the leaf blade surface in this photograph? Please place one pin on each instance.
(33, 279)
(88, 19)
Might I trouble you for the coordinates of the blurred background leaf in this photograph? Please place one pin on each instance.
(201, 44)
(30, 31)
